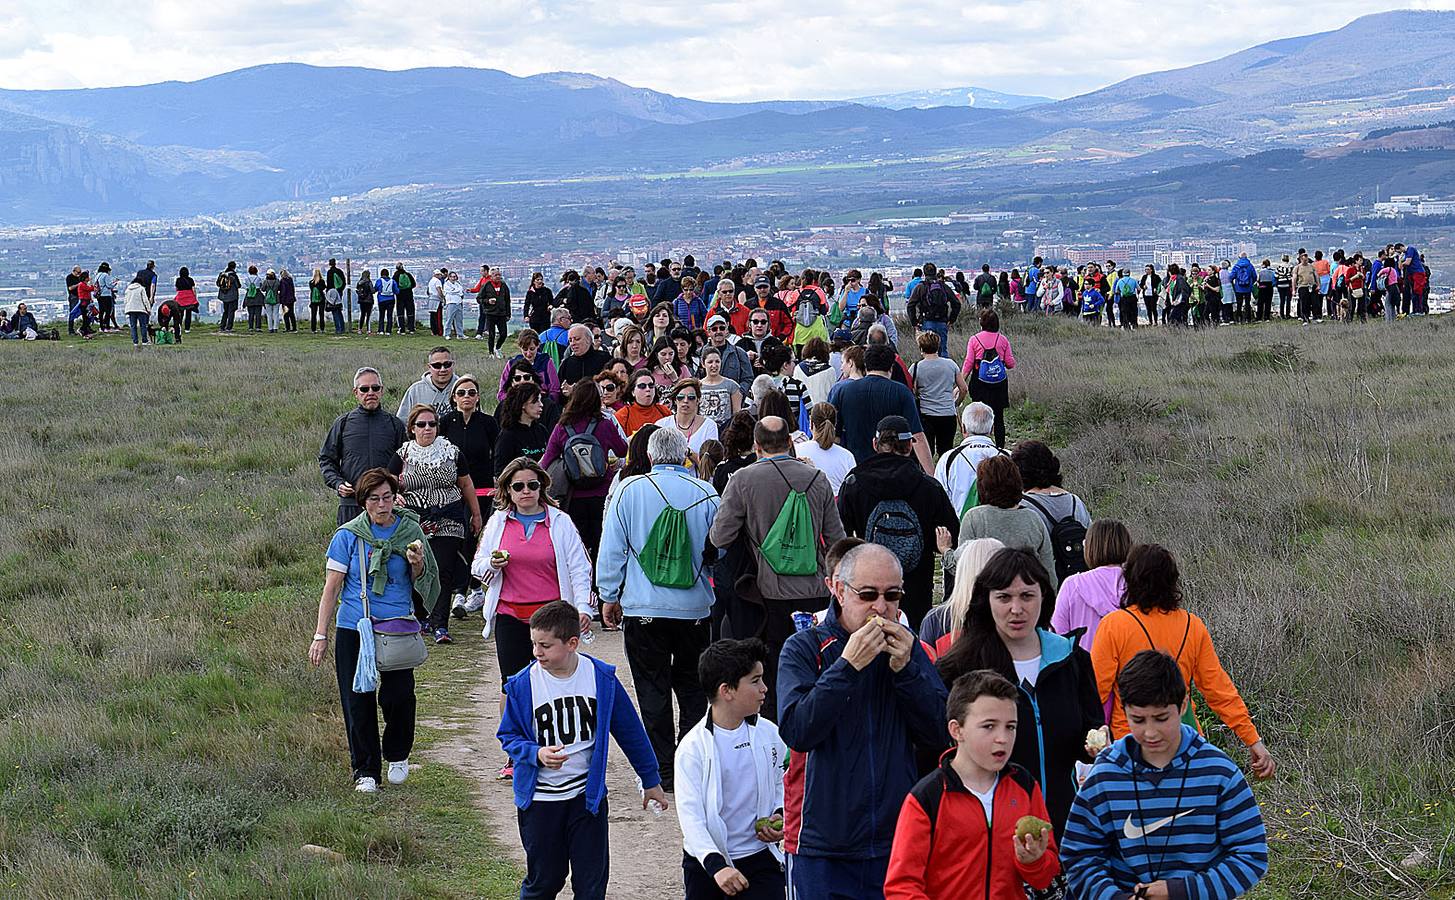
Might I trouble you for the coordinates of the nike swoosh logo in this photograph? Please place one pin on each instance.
(1135, 833)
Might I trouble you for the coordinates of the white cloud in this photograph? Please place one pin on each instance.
(711, 50)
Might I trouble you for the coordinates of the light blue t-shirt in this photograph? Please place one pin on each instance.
(398, 599)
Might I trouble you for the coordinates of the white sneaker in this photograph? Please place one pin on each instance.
(367, 785)
(479, 337)
(475, 601)
(447, 337)
(457, 606)
(398, 771)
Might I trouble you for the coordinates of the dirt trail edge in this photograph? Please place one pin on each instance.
(646, 849)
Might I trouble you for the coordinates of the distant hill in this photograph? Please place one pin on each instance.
(228, 142)
(980, 98)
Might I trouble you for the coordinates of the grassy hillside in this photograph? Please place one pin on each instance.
(1302, 477)
(163, 735)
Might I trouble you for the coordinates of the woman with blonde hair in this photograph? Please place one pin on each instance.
(822, 448)
(530, 554)
(315, 302)
(940, 628)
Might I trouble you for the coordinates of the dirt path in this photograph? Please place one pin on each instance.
(646, 850)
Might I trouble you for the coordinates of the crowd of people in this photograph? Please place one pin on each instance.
(675, 300)
(762, 505)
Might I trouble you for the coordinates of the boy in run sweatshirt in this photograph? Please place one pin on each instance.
(1163, 814)
(730, 782)
(956, 835)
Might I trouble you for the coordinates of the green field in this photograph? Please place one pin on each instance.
(163, 735)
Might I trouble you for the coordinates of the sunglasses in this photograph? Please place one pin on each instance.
(369, 388)
(521, 487)
(426, 423)
(607, 386)
(759, 322)
(718, 328)
(522, 379)
(645, 385)
(869, 595)
(442, 365)
(686, 398)
(467, 392)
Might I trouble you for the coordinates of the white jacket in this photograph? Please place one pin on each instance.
(573, 567)
(136, 299)
(699, 786)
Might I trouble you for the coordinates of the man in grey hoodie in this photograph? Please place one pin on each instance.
(434, 387)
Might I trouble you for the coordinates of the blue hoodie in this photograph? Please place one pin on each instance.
(1091, 302)
(517, 735)
(852, 734)
(1243, 276)
(1194, 824)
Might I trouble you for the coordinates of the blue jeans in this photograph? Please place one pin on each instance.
(139, 321)
(1033, 302)
(455, 320)
(940, 328)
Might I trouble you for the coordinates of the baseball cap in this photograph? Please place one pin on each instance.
(716, 320)
(898, 425)
(763, 281)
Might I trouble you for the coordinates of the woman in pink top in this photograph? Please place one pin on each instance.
(529, 554)
(1086, 597)
(989, 383)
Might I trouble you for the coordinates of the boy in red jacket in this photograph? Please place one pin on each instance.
(956, 835)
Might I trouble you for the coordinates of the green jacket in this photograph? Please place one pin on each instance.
(427, 585)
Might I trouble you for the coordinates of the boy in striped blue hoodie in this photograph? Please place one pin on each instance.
(1163, 814)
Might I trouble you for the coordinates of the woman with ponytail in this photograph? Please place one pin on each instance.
(831, 458)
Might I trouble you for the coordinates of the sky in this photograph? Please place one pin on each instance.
(708, 50)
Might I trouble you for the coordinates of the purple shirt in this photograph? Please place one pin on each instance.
(1085, 598)
(607, 432)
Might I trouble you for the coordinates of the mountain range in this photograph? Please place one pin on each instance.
(291, 131)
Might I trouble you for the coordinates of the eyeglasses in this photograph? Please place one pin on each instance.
(369, 388)
(718, 328)
(520, 487)
(645, 385)
(686, 398)
(442, 365)
(607, 386)
(467, 392)
(379, 498)
(426, 423)
(869, 595)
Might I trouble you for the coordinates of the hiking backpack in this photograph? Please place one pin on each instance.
(937, 303)
(666, 556)
(1068, 539)
(584, 458)
(806, 311)
(985, 293)
(893, 524)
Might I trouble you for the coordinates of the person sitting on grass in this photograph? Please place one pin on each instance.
(958, 833)
(555, 709)
(1163, 813)
(730, 781)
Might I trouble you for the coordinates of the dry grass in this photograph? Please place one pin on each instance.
(1302, 477)
(162, 734)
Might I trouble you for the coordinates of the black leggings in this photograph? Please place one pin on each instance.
(446, 552)
(395, 697)
(316, 320)
(513, 650)
(497, 326)
(107, 306)
(290, 321)
(405, 302)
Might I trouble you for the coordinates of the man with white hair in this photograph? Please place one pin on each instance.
(650, 573)
(555, 339)
(583, 360)
(361, 439)
(956, 469)
(856, 694)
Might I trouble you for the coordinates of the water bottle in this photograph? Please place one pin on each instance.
(654, 805)
(587, 635)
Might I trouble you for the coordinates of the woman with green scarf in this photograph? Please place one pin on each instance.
(383, 551)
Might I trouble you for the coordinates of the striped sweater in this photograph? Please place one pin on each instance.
(1194, 824)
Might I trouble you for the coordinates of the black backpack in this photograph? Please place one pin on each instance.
(894, 524)
(937, 303)
(1068, 539)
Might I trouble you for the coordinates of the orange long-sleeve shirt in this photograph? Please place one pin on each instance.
(1120, 637)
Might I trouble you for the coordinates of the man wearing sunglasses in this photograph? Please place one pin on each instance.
(856, 695)
(361, 439)
(735, 362)
(434, 387)
(889, 500)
